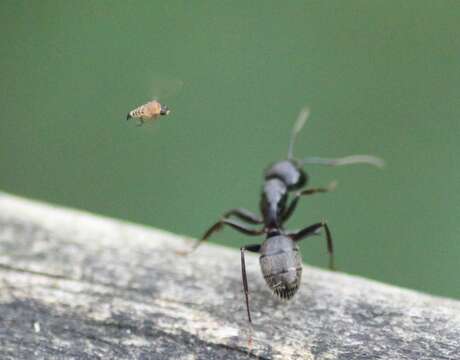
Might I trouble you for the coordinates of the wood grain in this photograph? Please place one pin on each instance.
(79, 286)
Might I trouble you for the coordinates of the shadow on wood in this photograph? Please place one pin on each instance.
(75, 285)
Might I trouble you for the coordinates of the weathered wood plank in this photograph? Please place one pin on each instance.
(75, 285)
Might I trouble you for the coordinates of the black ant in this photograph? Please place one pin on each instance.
(280, 258)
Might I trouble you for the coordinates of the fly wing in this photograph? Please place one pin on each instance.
(163, 87)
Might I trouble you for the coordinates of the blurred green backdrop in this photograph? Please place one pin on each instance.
(381, 77)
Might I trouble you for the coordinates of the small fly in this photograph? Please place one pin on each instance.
(148, 112)
(161, 87)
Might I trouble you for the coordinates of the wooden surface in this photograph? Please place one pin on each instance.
(79, 286)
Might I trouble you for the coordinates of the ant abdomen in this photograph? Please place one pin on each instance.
(281, 265)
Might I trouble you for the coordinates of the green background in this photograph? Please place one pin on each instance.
(381, 77)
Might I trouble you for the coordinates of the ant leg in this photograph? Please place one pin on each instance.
(242, 228)
(242, 214)
(245, 215)
(218, 226)
(235, 224)
(311, 230)
(293, 204)
(253, 248)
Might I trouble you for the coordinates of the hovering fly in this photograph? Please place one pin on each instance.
(162, 87)
(149, 111)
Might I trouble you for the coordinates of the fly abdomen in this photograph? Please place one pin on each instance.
(137, 113)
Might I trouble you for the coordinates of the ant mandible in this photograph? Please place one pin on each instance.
(280, 258)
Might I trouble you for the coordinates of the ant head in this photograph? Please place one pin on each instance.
(289, 172)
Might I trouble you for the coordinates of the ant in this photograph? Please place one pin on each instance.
(280, 258)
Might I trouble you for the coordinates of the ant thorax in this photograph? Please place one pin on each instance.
(273, 201)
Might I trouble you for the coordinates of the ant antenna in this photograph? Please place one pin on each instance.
(300, 122)
(347, 160)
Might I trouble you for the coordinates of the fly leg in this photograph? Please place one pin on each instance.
(312, 230)
(253, 248)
